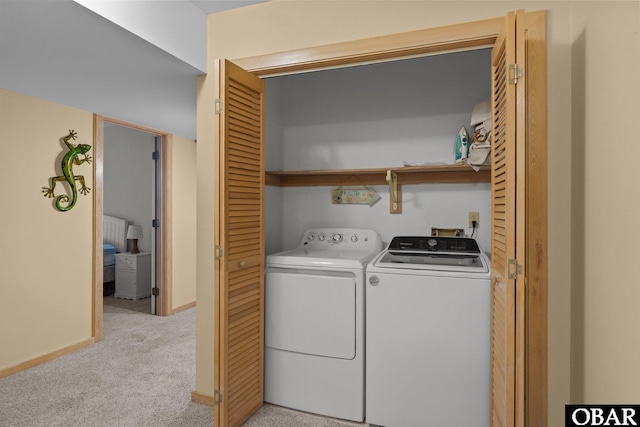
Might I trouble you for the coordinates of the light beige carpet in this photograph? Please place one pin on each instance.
(142, 305)
(141, 374)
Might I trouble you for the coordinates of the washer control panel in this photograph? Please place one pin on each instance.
(433, 244)
(342, 238)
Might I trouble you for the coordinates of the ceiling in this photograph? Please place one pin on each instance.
(60, 51)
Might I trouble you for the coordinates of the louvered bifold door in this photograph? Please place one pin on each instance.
(240, 285)
(508, 316)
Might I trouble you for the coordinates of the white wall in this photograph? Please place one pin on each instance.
(373, 116)
(274, 134)
(424, 206)
(129, 178)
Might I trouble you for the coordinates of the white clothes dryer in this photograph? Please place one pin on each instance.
(314, 323)
(428, 334)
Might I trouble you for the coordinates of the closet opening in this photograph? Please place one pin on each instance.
(532, 96)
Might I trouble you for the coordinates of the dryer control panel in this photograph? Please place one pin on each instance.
(345, 238)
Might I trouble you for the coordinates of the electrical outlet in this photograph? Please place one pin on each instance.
(474, 216)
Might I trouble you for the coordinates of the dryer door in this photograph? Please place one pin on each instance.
(311, 312)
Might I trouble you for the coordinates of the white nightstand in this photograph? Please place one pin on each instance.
(133, 275)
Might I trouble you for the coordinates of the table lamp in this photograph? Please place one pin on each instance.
(134, 233)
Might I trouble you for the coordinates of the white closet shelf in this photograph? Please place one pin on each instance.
(441, 174)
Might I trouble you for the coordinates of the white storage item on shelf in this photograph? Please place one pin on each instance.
(481, 137)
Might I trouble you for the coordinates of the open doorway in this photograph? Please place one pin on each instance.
(156, 220)
(129, 195)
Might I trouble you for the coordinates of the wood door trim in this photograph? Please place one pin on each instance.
(536, 337)
(98, 210)
(441, 39)
(521, 222)
(376, 49)
(164, 306)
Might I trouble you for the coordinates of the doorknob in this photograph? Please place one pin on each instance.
(242, 264)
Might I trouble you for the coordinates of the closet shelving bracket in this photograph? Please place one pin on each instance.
(395, 202)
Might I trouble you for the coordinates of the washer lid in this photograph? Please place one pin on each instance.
(434, 261)
(434, 253)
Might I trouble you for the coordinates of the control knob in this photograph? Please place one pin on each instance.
(336, 238)
(311, 236)
(354, 238)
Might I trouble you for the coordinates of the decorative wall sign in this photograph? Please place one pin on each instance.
(69, 159)
(354, 196)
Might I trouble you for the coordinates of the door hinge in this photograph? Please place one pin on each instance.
(156, 155)
(515, 73)
(155, 291)
(217, 397)
(218, 252)
(219, 106)
(514, 269)
(155, 223)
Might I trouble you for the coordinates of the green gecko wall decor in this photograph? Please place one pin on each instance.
(67, 163)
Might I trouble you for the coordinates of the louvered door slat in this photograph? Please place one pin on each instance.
(240, 245)
(246, 178)
(241, 226)
(242, 108)
(242, 162)
(242, 144)
(239, 232)
(241, 237)
(250, 98)
(244, 153)
(245, 283)
(244, 387)
(244, 172)
(244, 379)
(243, 113)
(234, 219)
(241, 406)
(240, 212)
(244, 358)
(244, 139)
(243, 97)
(242, 126)
(236, 166)
(239, 256)
(239, 344)
(248, 324)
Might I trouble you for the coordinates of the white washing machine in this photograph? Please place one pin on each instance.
(428, 334)
(314, 322)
